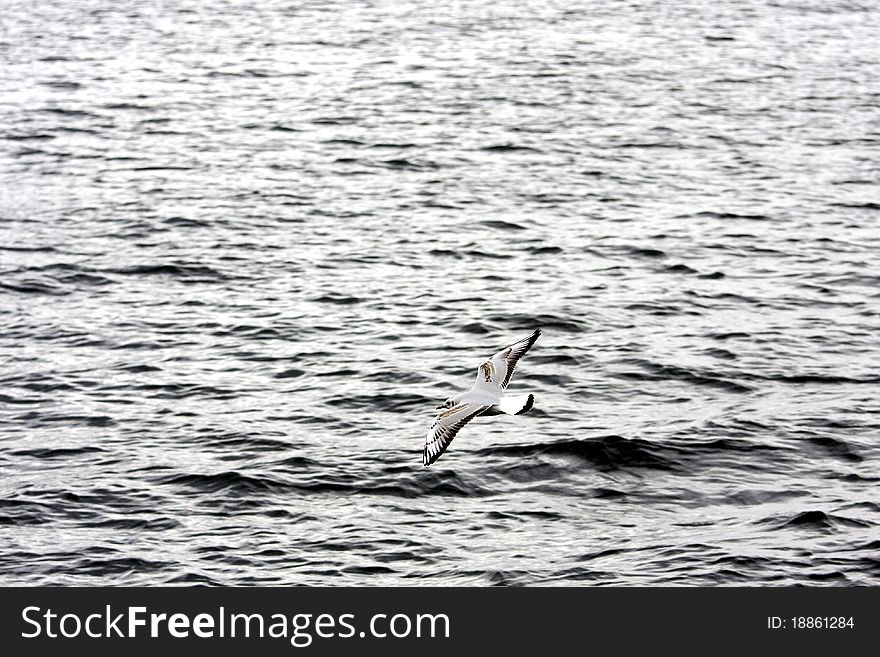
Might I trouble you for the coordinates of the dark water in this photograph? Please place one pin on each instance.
(245, 247)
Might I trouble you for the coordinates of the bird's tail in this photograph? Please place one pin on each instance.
(516, 404)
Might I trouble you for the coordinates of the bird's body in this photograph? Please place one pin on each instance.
(486, 397)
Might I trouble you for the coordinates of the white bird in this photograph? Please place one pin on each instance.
(487, 396)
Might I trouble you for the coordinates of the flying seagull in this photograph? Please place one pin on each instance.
(488, 395)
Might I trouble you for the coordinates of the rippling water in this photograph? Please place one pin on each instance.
(245, 248)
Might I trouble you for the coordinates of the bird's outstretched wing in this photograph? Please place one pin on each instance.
(495, 373)
(445, 427)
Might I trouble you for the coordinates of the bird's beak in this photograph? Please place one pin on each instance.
(437, 408)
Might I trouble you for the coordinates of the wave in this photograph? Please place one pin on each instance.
(544, 250)
(658, 372)
(188, 272)
(337, 299)
(98, 567)
(142, 524)
(49, 418)
(57, 452)
(814, 520)
(824, 379)
(435, 482)
(546, 321)
(836, 447)
(643, 252)
(390, 402)
(23, 512)
(680, 269)
(502, 225)
(28, 249)
(509, 148)
(709, 214)
(868, 205)
(231, 481)
(406, 164)
(48, 288)
(610, 452)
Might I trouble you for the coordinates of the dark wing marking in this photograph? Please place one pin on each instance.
(445, 427)
(513, 353)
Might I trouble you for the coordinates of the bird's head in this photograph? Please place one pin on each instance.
(449, 403)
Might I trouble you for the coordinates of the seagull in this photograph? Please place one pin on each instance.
(487, 396)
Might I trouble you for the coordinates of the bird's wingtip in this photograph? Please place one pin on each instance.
(527, 406)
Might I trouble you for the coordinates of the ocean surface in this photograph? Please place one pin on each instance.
(246, 247)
